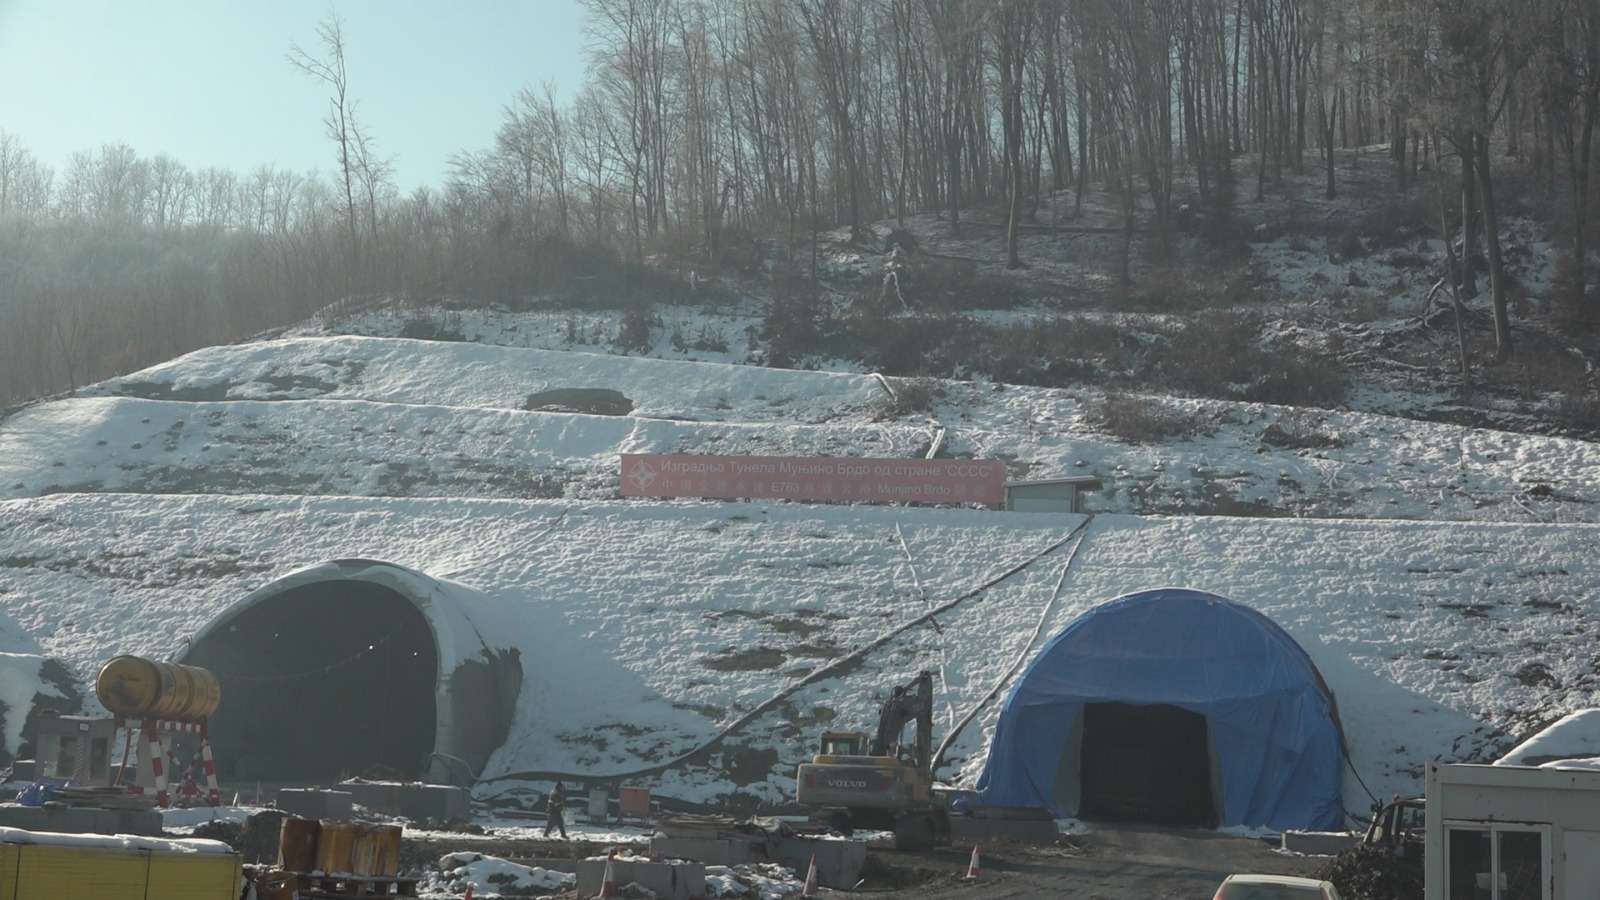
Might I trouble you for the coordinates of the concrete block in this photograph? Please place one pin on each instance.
(81, 819)
(838, 862)
(1319, 843)
(313, 803)
(711, 851)
(28, 818)
(976, 830)
(670, 881)
(439, 802)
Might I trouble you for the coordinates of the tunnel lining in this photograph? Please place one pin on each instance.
(474, 687)
(331, 678)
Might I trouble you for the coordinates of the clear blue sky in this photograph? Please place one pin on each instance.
(207, 81)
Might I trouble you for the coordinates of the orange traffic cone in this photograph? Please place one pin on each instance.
(972, 867)
(608, 881)
(810, 889)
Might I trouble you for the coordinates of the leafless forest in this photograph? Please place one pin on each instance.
(707, 128)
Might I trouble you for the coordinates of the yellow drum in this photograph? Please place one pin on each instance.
(140, 688)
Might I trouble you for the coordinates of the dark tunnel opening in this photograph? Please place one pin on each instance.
(330, 679)
(1146, 763)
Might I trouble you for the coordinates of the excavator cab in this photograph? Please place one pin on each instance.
(840, 743)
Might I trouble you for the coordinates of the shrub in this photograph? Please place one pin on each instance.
(1396, 222)
(446, 327)
(1225, 235)
(739, 250)
(1575, 310)
(797, 322)
(633, 335)
(709, 340)
(1297, 431)
(1172, 290)
(1219, 356)
(1146, 420)
(902, 238)
(911, 395)
(1346, 246)
(908, 345)
(1372, 873)
(706, 340)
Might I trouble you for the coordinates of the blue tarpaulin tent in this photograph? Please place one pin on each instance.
(1269, 744)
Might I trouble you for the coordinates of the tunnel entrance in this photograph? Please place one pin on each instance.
(1148, 764)
(328, 679)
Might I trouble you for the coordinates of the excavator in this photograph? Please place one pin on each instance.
(887, 785)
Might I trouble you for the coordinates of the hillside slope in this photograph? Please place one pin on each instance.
(391, 417)
(644, 627)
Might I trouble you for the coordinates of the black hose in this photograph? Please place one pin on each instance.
(842, 663)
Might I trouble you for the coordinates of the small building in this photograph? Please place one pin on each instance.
(77, 748)
(1512, 832)
(1058, 495)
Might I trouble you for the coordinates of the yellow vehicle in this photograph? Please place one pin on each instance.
(44, 866)
(888, 785)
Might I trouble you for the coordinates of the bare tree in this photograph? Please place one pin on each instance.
(339, 124)
(1014, 26)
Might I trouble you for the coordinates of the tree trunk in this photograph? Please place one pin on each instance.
(1469, 217)
(1455, 293)
(1491, 236)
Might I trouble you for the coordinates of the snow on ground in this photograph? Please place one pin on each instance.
(1591, 765)
(182, 820)
(20, 682)
(112, 842)
(487, 876)
(361, 448)
(1257, 459)
(1574, 735)
(522, 830)
(377, 430)
(715, 334)
(455, 374)
(676, 618)
(763, 881)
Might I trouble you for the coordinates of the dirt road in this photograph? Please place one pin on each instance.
(1106, 864)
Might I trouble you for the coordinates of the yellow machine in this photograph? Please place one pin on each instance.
(887, 785)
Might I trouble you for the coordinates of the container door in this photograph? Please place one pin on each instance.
(1581, 875)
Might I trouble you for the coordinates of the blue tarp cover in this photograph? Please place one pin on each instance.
(1275, 738)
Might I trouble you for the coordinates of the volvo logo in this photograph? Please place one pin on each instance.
(847, 784)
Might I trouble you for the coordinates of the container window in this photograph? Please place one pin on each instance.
(1471, 865)
(1522, 873)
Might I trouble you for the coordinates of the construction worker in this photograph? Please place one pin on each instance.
(555, 808)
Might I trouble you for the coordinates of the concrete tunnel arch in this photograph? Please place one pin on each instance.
(1176, 707)
(355, 667)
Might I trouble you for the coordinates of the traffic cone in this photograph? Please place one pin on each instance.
(810, 889)
(469, 892)
(972, 867)
(608, 881)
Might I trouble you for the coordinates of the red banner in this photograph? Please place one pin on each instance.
(845, 479)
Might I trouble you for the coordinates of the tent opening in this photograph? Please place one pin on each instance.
(1148, 764)
(328, 679)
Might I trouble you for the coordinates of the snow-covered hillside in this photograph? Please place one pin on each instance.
(361, 448)
(388, 417)
(135, 512)
(645, 627)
